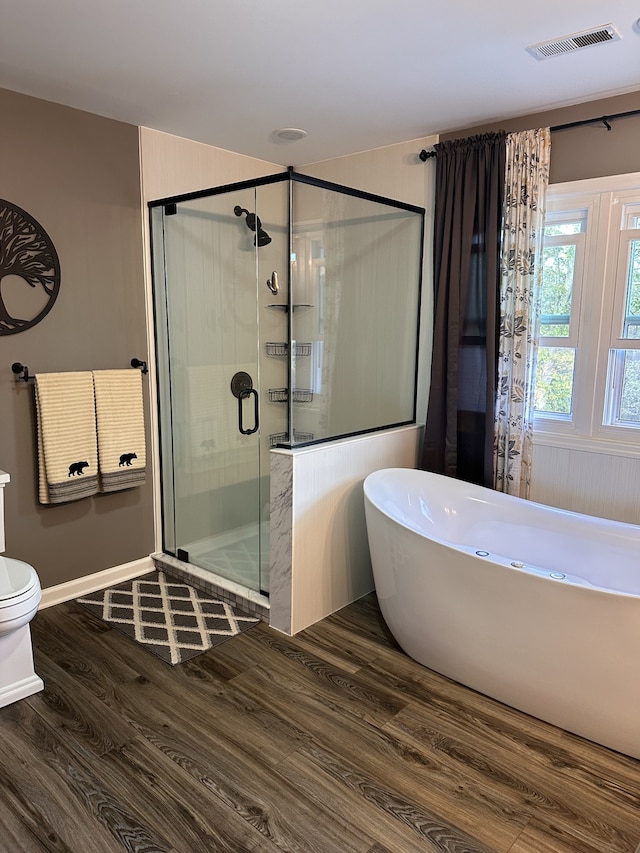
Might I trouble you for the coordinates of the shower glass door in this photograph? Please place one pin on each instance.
(215, 481)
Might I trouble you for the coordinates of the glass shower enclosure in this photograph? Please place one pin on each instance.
(286, 313)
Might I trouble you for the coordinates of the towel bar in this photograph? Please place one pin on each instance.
(18, 369)
(136, 362)
(22, 371)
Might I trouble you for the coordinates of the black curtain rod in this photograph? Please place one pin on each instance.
(604, 119)
(425, 155)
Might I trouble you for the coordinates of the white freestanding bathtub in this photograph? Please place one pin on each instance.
(534, 606)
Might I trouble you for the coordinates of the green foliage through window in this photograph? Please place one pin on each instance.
(554, 380)
(630, 393)
(558, 266)
(632, 312)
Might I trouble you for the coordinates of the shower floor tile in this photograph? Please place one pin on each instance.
(234, 555)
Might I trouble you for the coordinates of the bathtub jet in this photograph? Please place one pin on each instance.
(534, 606)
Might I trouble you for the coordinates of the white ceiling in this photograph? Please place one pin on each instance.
(355, 74)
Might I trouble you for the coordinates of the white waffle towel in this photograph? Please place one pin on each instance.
(120, 423)
(67, 448)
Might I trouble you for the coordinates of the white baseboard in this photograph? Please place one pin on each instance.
(20, 690)
(91, 583)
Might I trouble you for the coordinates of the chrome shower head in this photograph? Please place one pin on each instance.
(254, 224)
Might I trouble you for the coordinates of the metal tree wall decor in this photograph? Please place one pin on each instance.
(27, 253)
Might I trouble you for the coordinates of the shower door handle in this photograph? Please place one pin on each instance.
(242, 388)
(243, 395)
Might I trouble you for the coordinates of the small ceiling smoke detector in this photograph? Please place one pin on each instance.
(289, 134)
(575, 41)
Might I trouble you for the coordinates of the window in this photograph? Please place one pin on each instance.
(588, 369)
(562, 268)
(622, 406)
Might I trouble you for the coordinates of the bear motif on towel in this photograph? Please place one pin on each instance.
(77, 468)
(126, 458)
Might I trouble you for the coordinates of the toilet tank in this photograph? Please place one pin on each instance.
(4, 479)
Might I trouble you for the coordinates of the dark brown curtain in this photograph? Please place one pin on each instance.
(468, 219)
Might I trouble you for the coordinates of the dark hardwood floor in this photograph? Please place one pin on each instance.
(329, 742)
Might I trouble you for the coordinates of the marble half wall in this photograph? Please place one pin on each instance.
(319, 550)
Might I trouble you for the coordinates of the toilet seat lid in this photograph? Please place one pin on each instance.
(16, 577)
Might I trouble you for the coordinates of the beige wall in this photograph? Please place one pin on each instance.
(78, 175)
(394, 171)
(582, 152)
(172, 165)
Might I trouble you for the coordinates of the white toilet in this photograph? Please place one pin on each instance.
(19, 598)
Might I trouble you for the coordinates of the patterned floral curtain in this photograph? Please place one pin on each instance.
(526, 179)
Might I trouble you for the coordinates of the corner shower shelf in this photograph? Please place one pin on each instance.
(283, 437)
(280, 349)
(298, 395)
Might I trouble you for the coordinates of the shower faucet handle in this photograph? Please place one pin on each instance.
(272, 283)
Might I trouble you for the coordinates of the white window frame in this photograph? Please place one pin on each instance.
(557, 213)
(602, 289)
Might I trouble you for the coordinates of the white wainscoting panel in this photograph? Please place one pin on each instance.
(600, 484)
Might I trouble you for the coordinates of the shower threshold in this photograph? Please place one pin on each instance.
(215, 585)
(226, 566)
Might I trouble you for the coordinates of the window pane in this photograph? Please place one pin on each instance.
(632, 310)
(624, 404)
(562, 228)
(630, 216)
(554, 381)
(558, 265)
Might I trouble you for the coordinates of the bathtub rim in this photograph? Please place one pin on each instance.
(504, 563)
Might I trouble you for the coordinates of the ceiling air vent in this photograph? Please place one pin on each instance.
(576, 41)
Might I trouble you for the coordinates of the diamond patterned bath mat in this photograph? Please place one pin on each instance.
(169, 618)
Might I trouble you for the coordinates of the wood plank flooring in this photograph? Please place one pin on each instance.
(333, 741)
